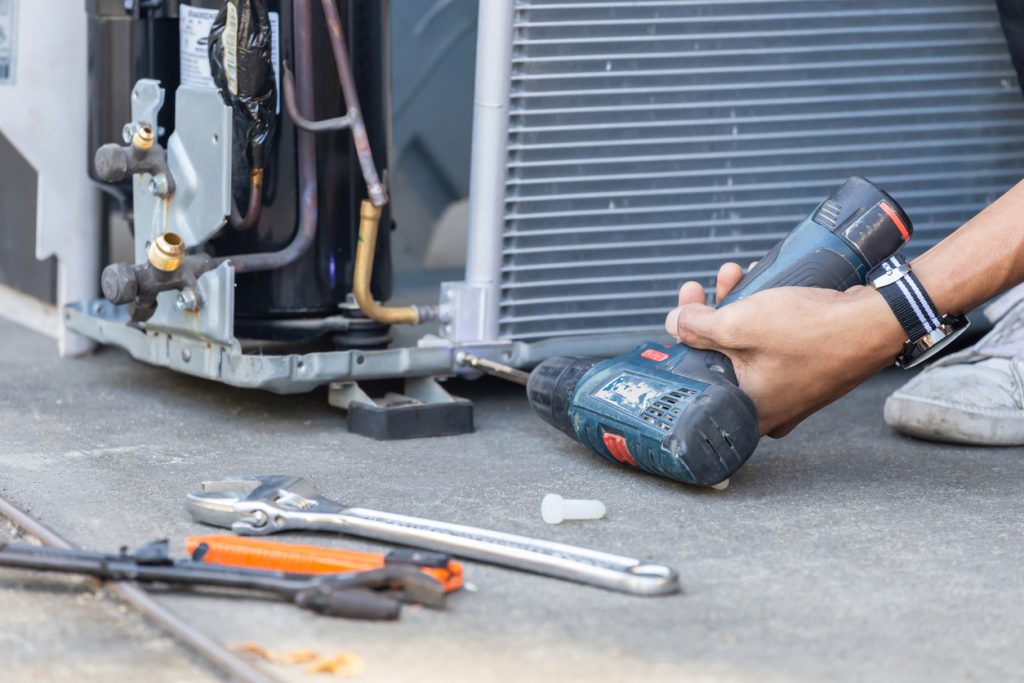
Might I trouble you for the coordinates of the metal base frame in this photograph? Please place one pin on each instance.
(225, 362)
(298, 373)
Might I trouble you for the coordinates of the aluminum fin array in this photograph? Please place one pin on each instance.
(652, 140)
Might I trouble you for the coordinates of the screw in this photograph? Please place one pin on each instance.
(187, 300)
(158, 185)
(186, 355)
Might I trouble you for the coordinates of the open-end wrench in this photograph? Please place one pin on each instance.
(260, 505)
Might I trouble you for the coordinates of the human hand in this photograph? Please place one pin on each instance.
(794, 349)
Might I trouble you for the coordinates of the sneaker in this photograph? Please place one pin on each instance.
(975, 396)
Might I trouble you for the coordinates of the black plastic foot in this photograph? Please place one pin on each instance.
(411, 420)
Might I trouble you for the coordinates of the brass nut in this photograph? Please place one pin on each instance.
(143, 138)
(166, 251)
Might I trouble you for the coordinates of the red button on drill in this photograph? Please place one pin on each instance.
(654, 354)
(616, 445)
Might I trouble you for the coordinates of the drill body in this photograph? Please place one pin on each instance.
(676, 411)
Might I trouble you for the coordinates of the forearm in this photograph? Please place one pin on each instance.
(814, 345)
(983, 258)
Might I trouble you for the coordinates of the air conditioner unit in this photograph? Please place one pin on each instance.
(619, 148)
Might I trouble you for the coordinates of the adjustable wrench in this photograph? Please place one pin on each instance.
(260, 505)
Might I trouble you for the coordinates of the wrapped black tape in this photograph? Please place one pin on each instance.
(243, 69)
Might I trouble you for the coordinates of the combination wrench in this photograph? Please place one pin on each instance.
(261, 505)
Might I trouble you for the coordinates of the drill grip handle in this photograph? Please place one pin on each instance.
(849, 233)
(822, 268)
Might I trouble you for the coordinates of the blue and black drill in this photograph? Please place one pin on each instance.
(677, 411)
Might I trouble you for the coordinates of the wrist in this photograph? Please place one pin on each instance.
(881, 335)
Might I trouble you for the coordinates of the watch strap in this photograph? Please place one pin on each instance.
(907, 298)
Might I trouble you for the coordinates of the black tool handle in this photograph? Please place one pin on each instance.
(353, 603)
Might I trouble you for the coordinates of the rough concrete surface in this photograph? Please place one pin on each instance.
(841, 553)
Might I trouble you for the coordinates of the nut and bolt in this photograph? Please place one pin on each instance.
(158, 185)
(187, 300)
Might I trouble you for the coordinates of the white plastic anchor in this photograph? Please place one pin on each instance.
(554, 509)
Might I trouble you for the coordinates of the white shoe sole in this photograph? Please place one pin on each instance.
(940, 421)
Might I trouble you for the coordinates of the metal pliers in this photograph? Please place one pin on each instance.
(373, 594)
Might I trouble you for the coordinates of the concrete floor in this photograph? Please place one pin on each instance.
(842, 553)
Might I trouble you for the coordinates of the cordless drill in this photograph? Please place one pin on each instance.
(677, 411)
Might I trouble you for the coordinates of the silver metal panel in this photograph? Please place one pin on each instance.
(651, 140)
(199, 157)
(214, 322)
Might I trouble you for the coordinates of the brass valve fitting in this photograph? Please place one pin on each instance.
(166, 251)
(143, 138)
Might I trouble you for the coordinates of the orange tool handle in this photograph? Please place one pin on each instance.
(251, 553)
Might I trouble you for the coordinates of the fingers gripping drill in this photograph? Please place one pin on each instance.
(677, 411)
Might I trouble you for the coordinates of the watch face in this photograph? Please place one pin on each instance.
(916, 352)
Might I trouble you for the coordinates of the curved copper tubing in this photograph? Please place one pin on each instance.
(353, 117)
(306, 147)
(300, 121)
(369, 220)
(378, 195)
(252, 214)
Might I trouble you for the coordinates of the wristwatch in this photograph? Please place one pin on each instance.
(928, 332)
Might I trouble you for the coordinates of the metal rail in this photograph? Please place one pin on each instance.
(216, 654)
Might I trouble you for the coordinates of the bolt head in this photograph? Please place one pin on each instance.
(187, 300)
(158, 185)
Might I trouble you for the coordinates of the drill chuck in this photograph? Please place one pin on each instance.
(552, 385)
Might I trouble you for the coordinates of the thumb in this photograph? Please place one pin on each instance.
(694, 325)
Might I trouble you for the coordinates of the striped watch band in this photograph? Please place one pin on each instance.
(906, 297)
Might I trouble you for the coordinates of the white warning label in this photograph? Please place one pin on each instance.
(275, 53)
(194, 30)
(8, 15)
(194, 25)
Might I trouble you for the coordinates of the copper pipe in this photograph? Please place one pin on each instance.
(378, 195)
(362, 272)
(353, 117)
(306, 144)
(252, 214)
(300, 121)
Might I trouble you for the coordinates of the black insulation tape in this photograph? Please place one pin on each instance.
(243, 70)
